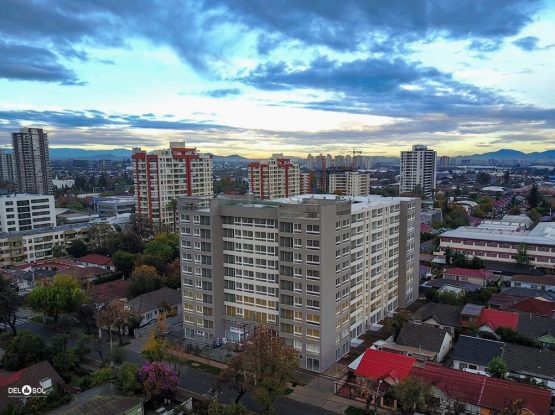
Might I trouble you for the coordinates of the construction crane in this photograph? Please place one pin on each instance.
(355, 152)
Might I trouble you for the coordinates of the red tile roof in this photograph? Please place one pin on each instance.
(107, 291)
(497, 318)
(471, 273)
(535, 306)
(379, 364)
(96, 259)
(425, 228)
(483, 391)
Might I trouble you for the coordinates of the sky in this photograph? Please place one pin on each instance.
(254, 77)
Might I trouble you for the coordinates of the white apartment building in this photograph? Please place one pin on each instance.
(29, 246)
(23, 212)
(32, 161)
(350, 183)
(163, 176)
(418, 168)
(278, 177)
(319, 269)
(306, 182)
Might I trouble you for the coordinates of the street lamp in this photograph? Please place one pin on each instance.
(111, 347)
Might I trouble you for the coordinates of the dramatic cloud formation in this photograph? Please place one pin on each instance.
(288, 75)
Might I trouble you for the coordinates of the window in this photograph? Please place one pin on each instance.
(313, 333)
(314, 229)
(313, 364)
(313, 304)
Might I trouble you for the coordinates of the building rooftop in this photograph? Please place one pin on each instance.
(421, 336)
(154, 299)
(476, 350)
(535, 279)
(445, 314)
(497, 318)
(535, 306)
(357, 202)
(379, 364)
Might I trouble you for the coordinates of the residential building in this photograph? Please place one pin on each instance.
(491, 319)
(539, 328)
(29, 246)
(470, 315)
(163, 176)
(350, 183)
(418, 170)
(420, 338)
(97, 260)
(535, 282)
(40, 375)
(104, 293)
(321, 269)
(480, 277)
(535, 306)
(278, 177)
(431, 216)
(307, 179)
(443, 161)
(473, 354)
(7, 167)
(503, 244)
(114, 205)
(150, 305)
(23, 212)
(439, 315)
(32, 161)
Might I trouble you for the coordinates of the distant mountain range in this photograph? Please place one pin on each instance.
(79, 153)
(508, 154)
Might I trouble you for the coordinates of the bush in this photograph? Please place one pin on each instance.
(127, 378)
(25, 349)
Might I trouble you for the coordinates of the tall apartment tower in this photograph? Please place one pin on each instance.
(418, 168)
(278, 177)
(163, 176)
(350, 183)
(7, 167)
(32, 161)
(319, 269)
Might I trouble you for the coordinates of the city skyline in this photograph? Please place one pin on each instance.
(304, 78)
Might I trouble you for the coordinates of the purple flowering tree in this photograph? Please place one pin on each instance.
(158, 380)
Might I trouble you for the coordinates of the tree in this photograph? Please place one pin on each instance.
(25, 349)
(63, 295)
(268, 365)
(513, 408)
(534, 197)
(77, 249)
(115, 314)
(497, 367)
(172, 279)
(234, 376)
(522, 254)
(397, 322)
(534, 215)
(158, 380)
(124, 262)
(143, 280)
(9, 303)
(216, 408)
(413, 395)
(483, 178)
(127, 378)
(58, 251)
(123, 241)
(164, 246)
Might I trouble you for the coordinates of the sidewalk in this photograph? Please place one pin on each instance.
(324, 400)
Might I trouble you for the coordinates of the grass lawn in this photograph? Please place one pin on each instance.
(351, 410)
(203, 366)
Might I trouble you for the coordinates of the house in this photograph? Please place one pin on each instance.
(381, 365)
(490, 319)
(503, 301)
(426, 338)
(535, 282)
(462, 392)
(479, 277)
(464, 287)
(150, 305)
(470, 314)
(97, 260)
(102, 294)
(537, 306)
(474, 353)
(40, 375)
(529, 292)
(439, 315)
(540, 328)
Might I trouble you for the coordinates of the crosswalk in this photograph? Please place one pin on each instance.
(22, 316)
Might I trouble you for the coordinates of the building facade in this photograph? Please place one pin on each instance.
(163, 176)
(278, 177)
(319, 269)
(114, 205)
(418, 169)
(350, 183)
(32, 161)
(7, 167)
(23, 212)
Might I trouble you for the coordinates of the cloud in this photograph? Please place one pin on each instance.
(30, 63)
(221, 93)
(528, 43)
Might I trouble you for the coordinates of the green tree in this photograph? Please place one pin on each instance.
(397, 322)
(413, 395)
(58, 251)
(9, 303)
(143, 280)
(100, 377)
(165, 246)
(497, 367)
(127, 378)
(172, 278)
(124, 262)
(522, 254)
(63, 295)
(77, 249)
(25, 349)
(483, 178)
(534, 196)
